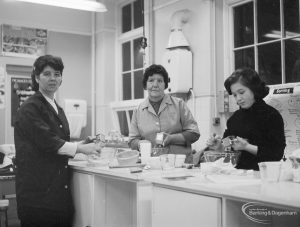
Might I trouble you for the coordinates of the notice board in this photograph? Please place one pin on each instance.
(21, 89)
(286, 99)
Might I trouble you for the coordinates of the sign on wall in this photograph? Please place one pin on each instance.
(23, 41)
(286, 99)
(21, 90)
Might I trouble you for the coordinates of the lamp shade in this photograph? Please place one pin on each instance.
(177, 39)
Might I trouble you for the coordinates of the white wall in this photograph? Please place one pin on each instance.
(48, 17)
(69, 37)
(106, 66)
(199, 33)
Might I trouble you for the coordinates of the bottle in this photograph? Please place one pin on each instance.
(158, 148)
(159, 139)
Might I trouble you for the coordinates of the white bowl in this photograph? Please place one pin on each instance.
(127, 157)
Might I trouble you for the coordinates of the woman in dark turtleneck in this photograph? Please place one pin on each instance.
(160, 112)
(259, 127)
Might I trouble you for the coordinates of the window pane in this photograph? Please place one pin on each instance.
(126, 18)
(123, 123)
(244, 58)
(138, 13)
(138, 84)
(126, 56)
(269, 63)
(138, 57)
(126, 86)
(291, 17)
(243, 25)
(292, 60)
(268, 20)
(130, 114)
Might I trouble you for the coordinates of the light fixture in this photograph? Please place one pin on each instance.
(177, 38)
(87, 5)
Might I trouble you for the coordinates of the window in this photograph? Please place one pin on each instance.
(132, 63)
(266, 37)
(122, 114)
(132, 58)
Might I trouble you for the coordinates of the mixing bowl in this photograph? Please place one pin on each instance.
(127, 157)
(222, 157)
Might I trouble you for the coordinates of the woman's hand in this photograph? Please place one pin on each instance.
(173, 139)
(239, 144)
(167, 139)
(90, 148)
(214, 142)
(89, 139)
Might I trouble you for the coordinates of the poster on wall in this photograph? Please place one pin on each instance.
(21, 90)
(2, 88)
(23, 41)
(286, 99)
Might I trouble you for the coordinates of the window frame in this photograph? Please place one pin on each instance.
(123, 38)
(229, 50)
(119, 104)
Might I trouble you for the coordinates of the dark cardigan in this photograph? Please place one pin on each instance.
(262, 125)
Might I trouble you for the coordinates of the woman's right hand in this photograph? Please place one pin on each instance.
(214, 142)
(90, 148)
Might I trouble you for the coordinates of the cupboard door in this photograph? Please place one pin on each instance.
(177, 208)
(82, 190)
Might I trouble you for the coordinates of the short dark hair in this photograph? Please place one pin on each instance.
(155, 69)
(39, 65)
(249, 78)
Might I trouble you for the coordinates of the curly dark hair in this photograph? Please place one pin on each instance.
(39, 65)
(249, 78)
(155, 69)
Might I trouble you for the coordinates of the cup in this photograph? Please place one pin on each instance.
(179, 160)
(296, 175)
(208, 168)
(108, 153)
(167, 161)
(145, 149)
(154, 162)
(269, 171)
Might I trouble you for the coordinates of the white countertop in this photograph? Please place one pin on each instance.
(247, 187)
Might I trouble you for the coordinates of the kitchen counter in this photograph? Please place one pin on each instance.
(155, 193)
(109, 197)
(283, 193)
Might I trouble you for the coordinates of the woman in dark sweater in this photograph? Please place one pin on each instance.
(258, 127)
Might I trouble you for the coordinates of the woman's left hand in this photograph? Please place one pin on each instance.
(167, 140)
(239, 144)
(173, 139)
